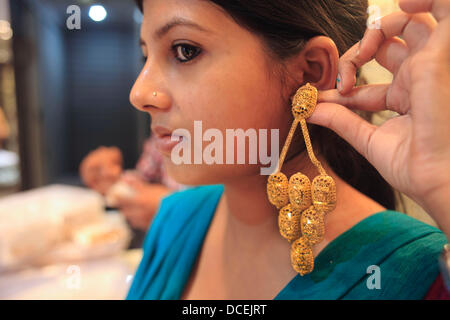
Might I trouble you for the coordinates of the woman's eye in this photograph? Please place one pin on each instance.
(185, 52)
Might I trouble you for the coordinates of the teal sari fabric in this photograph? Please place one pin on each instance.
(400, 251)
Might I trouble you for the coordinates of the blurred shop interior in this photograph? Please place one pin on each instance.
(72, 86)
(64, 92)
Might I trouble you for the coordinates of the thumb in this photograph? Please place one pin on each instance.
(347, 124)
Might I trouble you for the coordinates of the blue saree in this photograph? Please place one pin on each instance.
(404, 251)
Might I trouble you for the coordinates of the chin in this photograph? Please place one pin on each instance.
(204, 174)
(195, 174)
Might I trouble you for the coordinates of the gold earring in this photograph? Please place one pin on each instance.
(302, 204)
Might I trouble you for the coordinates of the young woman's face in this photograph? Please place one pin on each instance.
(216, 72)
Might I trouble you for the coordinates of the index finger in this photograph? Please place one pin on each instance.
(364, 51)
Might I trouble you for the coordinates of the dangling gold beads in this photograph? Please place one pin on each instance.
(303, 204)
(289, 222)
(324, 193)
(302, 258)
(277, 190)
(312, 225)
(300, 191)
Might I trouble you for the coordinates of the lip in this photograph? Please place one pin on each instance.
(163, 141)
(161, 131)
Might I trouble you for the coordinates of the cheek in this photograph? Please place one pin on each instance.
(232, 100)
(227, 99)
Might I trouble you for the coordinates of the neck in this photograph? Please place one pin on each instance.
(250, 221)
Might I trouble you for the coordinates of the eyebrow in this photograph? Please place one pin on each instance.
(175, 22)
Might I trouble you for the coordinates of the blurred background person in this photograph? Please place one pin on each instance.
(64, 92)
(4, 128)
(136, 193)
(72, 88)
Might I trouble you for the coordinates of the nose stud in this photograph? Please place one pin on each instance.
(154, 93)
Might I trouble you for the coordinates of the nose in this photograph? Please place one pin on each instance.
(147, 94)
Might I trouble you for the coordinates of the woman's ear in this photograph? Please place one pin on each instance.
(321, 62)
(317, 63)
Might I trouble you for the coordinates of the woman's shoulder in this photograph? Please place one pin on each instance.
(388, 255)
(403, 250)
(396, 223)
(181, 208)
(173, 242)
(391, 229)
(403, 237)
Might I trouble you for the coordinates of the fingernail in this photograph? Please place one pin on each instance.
(339, 82)
(359, 47)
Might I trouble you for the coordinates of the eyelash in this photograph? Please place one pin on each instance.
(174, 49)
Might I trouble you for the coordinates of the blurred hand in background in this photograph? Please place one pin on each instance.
(140, 207)
(136, 193)
(101, 168)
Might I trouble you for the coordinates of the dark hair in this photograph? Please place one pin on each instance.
(285, 26)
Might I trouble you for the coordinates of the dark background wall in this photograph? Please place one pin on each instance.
(52, 69)
(99, 80)
(73, 87)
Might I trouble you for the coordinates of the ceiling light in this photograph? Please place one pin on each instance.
(97, 13)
